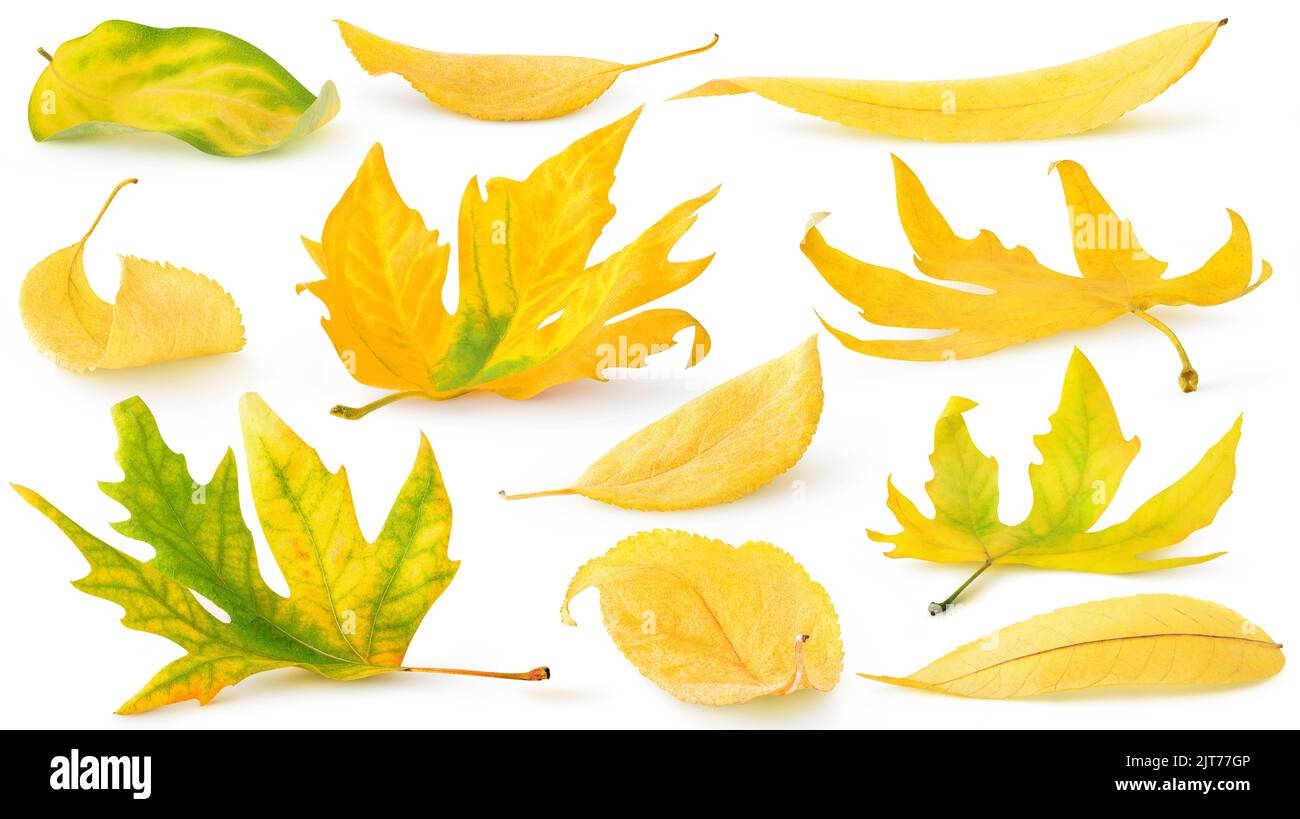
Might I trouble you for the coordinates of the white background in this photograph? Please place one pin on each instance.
(1221, 137)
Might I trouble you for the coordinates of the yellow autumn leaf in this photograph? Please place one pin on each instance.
(717, 448)
(161, 312)
(1048, 102)
(1085, 455)
(1027, 300)
(494, 86)
(714, 624)
(1147, 639)
(533, 312)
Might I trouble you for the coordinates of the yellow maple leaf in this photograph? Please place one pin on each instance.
(494, 86)
(1028, 301)
(1048, 102)
(532, 312)
(1147, 639)
(354, 603)
(1085, 455)
(716, 448)
(712, 623)
(161, 312)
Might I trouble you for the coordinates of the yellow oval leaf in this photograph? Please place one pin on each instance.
(1147, 639)
(161, 313)
(714, 624)
(717, 448)
(494, 86)
(1049, 102)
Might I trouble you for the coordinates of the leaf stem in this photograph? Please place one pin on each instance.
(797, 677)
(1187, 379)
(108, 202)
(44, 54)
(679, 54)
(353, 413)
(940, 608)
(540, 673)
(525, 495)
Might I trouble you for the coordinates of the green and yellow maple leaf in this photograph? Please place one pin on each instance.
(532, 312)
(1085, 455)
(353, 604)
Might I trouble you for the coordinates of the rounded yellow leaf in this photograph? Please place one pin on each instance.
(711, 623)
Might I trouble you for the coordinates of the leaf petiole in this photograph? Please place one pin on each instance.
(540, 673)
(1187, 379)
(678, 55)
(548, 493)
(44, 53)
(940, 608)
(353, 413)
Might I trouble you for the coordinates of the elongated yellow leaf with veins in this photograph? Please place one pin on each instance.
(1027, 300)
(717, 448)
(1049, 102)
(711, 623)
(353, 605)
(161, 313)
(1147, 639)
(494, 86)
(1085, 455)
(207, 88)
(533, 312)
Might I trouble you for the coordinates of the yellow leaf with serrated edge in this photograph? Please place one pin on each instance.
(161, 312)
(717, 448)
(714, 624)
(1027, 300)
(533, 312)
(1049, 102)
(494, 86)
(1147, 639)
(353, 604)
(1085, 456)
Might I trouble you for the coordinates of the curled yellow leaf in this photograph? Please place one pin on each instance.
(717, 448)
(711, 623)
(1026, 300)
(1048, 102)
(1147, 639)
(495, 86)
(161, 312)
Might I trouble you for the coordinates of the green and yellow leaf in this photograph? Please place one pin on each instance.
(711, 623)
(354, 604)
(533, 313)
(1085, 455)
(1147, 639)
(207, 88)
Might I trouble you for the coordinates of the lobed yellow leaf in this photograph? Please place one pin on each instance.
(711, 623)
(532, 312)
(161, 312)
(1048, 102)
(1147, 639)
(717, 448)
(494, 86)
(1085, 456)
(1027, 300)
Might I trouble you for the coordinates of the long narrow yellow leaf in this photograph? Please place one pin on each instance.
(1048, 102)
(1147, 639)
